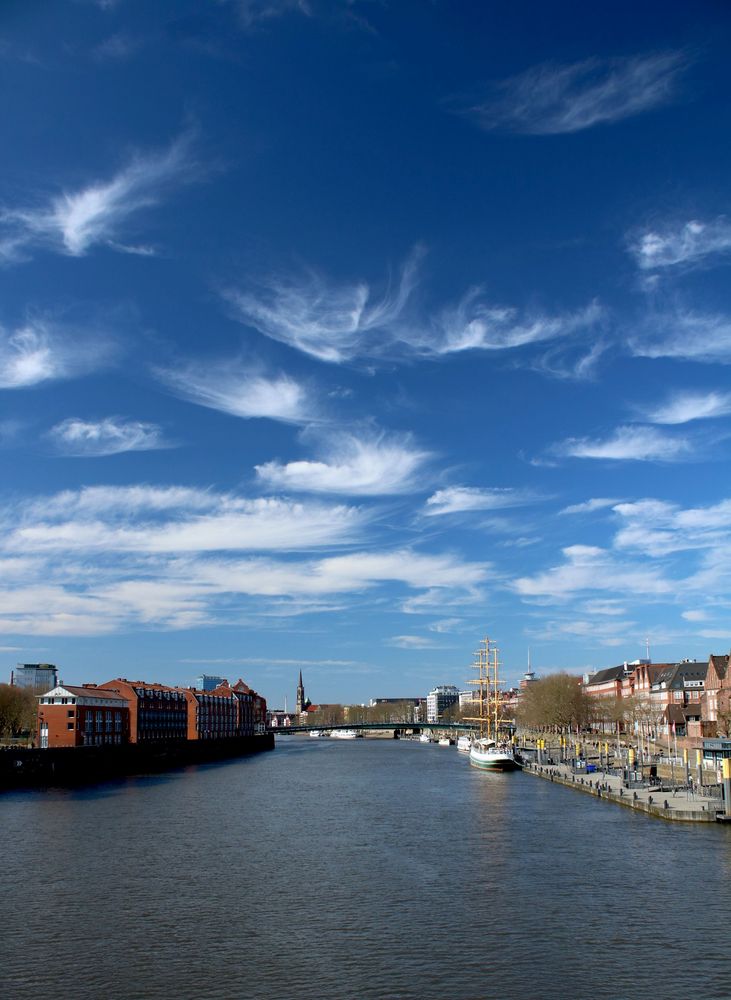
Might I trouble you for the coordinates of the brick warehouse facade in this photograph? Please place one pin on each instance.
(124, 711)
(70, 716)
(156, 712)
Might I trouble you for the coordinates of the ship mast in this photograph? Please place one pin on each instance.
(485, 660)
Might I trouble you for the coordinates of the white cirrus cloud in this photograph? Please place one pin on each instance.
(463, 499)
(340, 323)
(445, 625)
(629, 443)
(114, 502)
(43, 351)
(685, 245)
(695, 616)
(74, 221)
(660, 528)
(588, 568)
(683, 407)
(101, 560)
(178, 521)
(685, 336)
(333, 323)
(110, 436)
(370, 466)
(252, 12)
(589, 506)
(552, 99)
(241, 390)
(412, 642)
(572, 359)
(474, 324)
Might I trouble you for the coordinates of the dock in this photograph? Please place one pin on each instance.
(658, 800)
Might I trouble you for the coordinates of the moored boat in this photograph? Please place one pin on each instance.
(488, 755)
(493, 750)
(464, 743)
(344, 734)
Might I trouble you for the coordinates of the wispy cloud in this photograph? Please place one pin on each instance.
(629, 443)
(589, 506)
(103, 559)
(552, 99)
(462, 499)
(339, 323)
(75, 221)
(695, 616)
(42, 351)
(367, 466)
(253, 12)
(572, 359)
(117, 47)
(183, 521)
(445, 625)
(683, 246)
(659, 528)
(474, 324)
(412, 642)
(330, 322)
(110, 436)
(684, 335)
(241, 390)
(683, 407)
(587, 568)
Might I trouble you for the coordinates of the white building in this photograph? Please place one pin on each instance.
(439, 700)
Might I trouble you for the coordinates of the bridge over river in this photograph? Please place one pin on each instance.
(398, 727)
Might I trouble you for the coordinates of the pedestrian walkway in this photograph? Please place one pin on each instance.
(657, 799)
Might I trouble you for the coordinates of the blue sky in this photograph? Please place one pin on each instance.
(336, 335)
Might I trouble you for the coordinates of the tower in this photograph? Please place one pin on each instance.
(299, 702)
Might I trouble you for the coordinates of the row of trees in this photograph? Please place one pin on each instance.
(17, 711)
(335, 715)
(559, 701)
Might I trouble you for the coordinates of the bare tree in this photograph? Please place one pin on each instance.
(18, 709)
(557, 701)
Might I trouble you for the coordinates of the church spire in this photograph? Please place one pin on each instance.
(300, 704)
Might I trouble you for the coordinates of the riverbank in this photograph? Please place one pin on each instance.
(656, 800)
(68, 766)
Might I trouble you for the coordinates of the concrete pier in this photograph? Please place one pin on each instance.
(683, 806)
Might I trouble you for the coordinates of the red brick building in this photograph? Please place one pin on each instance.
(123, 711)
(156, 712)
(212, 715)
(82, 716)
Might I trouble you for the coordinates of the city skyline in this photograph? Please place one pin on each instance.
(336, 336)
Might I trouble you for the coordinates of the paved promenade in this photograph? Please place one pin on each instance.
(656, 799)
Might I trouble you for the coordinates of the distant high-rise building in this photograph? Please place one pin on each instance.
(41, 676)
(439, 700)
(207, 682)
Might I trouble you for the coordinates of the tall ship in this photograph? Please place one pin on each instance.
(493, 749)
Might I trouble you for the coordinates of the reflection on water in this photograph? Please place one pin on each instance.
(364, 869)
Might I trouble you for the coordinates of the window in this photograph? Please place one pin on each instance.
(70, 725)
(70, 713)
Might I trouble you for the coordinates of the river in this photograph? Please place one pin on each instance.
(366, 869)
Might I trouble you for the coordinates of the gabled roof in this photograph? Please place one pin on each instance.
(609, 674)
(675, 673)
(674, 713)
(720, 665)
(72, 691)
